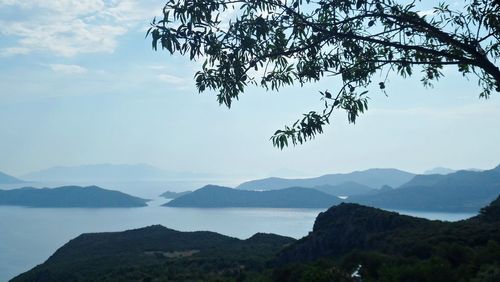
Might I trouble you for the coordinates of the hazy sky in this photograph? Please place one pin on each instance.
(79, 84)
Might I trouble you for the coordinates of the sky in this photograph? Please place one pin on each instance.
(79, 84)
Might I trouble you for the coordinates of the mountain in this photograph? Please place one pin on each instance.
(462, 191)
(345, 189)
(173, 195)
(7, 179)
(386, 246)
(69, 197)
(440, 170)
(157, 253)
(108, 172)
(212, 196)
(374, 178)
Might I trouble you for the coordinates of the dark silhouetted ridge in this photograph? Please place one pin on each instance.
(156, 252)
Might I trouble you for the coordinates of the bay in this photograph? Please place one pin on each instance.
(28, 236)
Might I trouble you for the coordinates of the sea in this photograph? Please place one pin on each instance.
(28, 236)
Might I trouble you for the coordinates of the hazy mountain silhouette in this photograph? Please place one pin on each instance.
(440, 170)
(462, 191)
(173, 195)
(374, 178)
(108, 172)
(8, 179)
(212, 196)
(69, 197)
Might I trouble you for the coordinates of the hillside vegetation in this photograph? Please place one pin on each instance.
(384, 246)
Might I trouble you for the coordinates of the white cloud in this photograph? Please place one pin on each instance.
(172, 79)
(156, 67)
(7, 52)
(72, 27)
(68, 69)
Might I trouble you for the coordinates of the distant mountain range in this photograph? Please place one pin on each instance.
(69, 197)
(109, 172)
(462, 191)
(212, 196)
(375, 244)
(373, 178)
(7, 179)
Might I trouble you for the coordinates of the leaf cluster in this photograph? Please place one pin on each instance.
(275, 43)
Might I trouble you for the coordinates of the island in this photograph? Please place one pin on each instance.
(212, 196)
(69, 197)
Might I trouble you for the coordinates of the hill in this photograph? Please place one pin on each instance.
(69, 197)
(212, 196)
(386, 246)
(373, 178)
(7, 179)
(462, 191)
(156, 253)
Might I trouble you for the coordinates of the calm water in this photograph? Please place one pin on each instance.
(28, 236)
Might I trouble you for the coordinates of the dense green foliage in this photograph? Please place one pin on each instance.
(69, 197)
(212, 196)
(391, 247)
(157, 253)
(274, 43)
(387, 246)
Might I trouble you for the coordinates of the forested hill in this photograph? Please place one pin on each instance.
(373, 178)
(157, 253)
(393, 247)
(212, 196)
(69, 197)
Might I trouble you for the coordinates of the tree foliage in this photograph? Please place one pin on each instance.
(274, 43)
